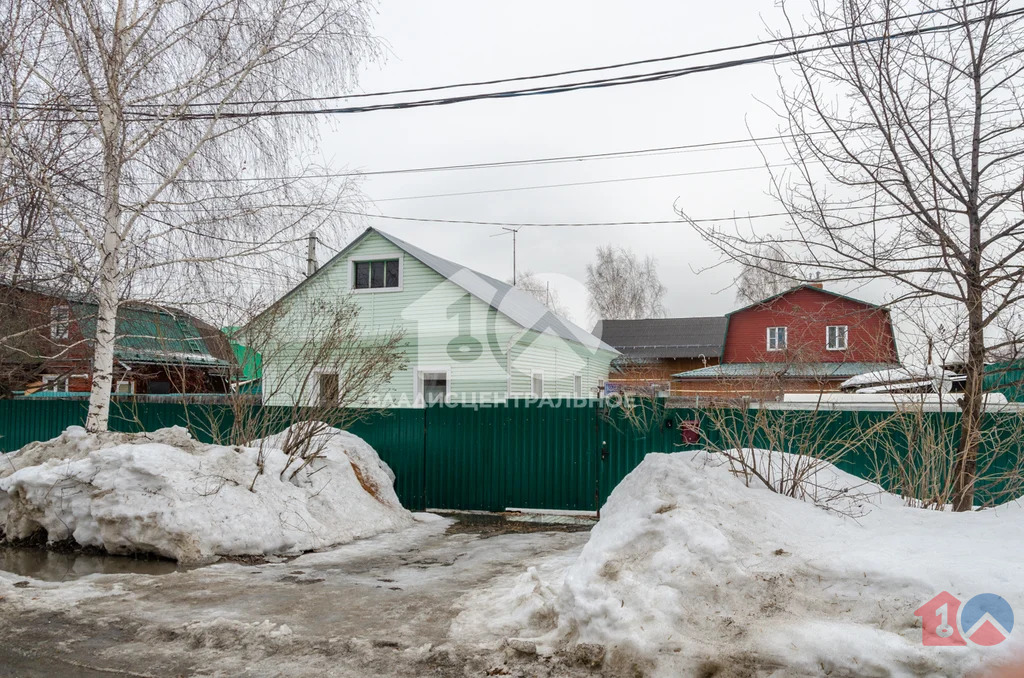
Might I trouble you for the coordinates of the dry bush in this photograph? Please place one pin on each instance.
(913, 453)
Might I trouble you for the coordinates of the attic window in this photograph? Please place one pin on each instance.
(381, 274)
(835, 337)
(777, 338)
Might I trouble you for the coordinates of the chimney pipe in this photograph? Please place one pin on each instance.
(311, 264)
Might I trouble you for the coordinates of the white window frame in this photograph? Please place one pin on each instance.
(52, 380)
(768, 338)
(577, 385)
(375, 257)
(131, 387)
(846, 337)
(533, 391)
(417, 382)
(60, 322)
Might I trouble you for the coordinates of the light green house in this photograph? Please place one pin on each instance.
(469, 338)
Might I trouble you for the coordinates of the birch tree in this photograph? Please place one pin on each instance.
(621, 285)
(529, 282)
(773, 275)
(908, 148)
(192, 183)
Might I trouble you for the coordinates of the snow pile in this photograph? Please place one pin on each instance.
(689, 571)
(167, 494)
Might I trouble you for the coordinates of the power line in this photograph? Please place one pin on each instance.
(635, 222)
(547, 89)
(590, 69)
(576, 86)
(632, 222)
(558, 159)
(582, 183)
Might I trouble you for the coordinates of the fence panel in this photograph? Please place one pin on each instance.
(518, 454)
(23, 422)
(397, 435)
(566, 455)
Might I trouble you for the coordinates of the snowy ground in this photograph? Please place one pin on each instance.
(379, 606)
(690, 572)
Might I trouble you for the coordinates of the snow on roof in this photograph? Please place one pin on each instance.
(519, 306)
(896, 388)
(898, 375)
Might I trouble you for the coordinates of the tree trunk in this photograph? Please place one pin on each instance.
(965, 469)
(109, 288)
(107, 297)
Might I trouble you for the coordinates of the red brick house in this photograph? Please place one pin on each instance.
(806, 339)
(46, 346)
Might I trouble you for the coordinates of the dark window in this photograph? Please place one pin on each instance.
(376, 274)
(329, 389)
(435, 387)
(391, 278)
(362, 275)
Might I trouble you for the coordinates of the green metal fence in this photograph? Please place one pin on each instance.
(565, 455)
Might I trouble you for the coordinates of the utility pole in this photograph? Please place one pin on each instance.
(311, 263)
(513, 231)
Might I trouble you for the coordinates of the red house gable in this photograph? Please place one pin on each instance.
(807, 312)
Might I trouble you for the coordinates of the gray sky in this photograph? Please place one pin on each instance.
(446, 41)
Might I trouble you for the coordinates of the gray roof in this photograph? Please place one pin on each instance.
(665, 337)
(519, 306)
(794, 370)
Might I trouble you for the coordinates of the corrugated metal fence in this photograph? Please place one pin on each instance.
(565, 455)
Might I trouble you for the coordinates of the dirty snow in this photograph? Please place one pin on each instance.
(374, 607)
(167, 494)
(689, 571)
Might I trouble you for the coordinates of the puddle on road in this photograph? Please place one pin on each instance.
(40, 563)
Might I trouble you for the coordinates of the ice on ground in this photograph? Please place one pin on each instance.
(167, 494)
(689, 569)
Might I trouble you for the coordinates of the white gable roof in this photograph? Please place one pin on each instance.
(521, 307)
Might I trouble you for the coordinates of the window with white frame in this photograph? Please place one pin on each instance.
(55, 382)
(60, 323)
(776, 338)
(577, 385)
(836, 337)
(125, 386)
(434, 385)
(377, 274)
(537, 384)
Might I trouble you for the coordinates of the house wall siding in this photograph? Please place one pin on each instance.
(444, 327)
(806, 313)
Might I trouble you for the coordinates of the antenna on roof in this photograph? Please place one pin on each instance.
(513, 231)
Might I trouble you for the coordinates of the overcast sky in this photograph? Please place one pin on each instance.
(446, 41)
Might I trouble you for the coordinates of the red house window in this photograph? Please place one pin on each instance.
(777, 338)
